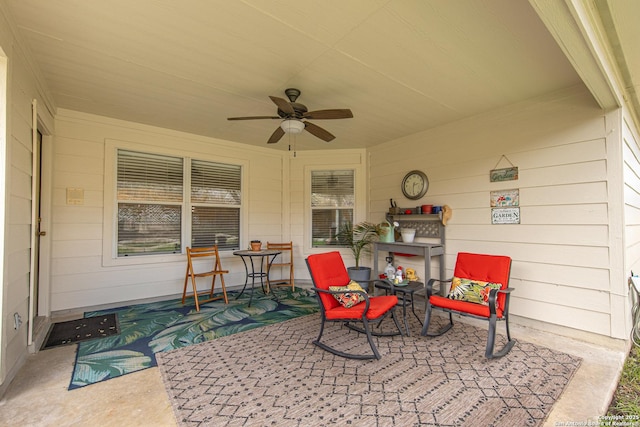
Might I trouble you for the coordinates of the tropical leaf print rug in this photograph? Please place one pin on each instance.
(146, 329)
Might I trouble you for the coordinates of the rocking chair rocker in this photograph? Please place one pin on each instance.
(328, 270)
(479, 289)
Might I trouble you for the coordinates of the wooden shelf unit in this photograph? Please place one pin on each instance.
(426, 225)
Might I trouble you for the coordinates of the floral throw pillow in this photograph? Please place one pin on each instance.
(475, 291)
(348, 298)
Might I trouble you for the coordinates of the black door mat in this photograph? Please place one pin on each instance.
(87, 328)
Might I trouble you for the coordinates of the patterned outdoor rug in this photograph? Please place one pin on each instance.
(146, 329)
(275, 376)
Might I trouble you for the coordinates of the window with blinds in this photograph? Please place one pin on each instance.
(150, 196)
(215, 205)
(332, 203)
(154, 204)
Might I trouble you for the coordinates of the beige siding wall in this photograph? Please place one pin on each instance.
(277, 207)
(631, 175)
(631, 156)
(562, 266)
(83, 271)
(300, 197)
(22, 88)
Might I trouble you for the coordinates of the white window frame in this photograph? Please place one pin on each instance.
(359, 210)
(110, 221)
(352, 207)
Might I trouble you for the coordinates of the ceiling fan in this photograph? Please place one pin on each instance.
(294, 117)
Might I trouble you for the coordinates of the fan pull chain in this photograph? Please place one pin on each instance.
(294, 144)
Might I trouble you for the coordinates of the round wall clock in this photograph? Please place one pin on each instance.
(415, 185)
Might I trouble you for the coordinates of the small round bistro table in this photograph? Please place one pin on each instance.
(253, 258)
(407, 292)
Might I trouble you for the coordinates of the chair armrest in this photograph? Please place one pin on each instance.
(493, 294)
(429, 285)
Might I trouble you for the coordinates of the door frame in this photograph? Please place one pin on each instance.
(40, 221)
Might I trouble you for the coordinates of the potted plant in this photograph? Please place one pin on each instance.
(358, 238)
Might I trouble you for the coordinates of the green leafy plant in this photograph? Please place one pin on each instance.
(358, 238)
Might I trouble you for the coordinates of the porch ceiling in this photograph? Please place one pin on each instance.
(401, 66)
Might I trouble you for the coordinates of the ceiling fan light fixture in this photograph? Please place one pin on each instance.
(293, 118)
(292, 126)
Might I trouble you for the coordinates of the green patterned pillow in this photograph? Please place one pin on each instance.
(348, 299)
(475, 291)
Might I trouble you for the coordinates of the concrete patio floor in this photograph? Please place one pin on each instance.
(38, 396)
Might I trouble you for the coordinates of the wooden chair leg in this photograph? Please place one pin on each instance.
(293, 286)
(195, 292)
(285, 248)
(204, 253)
(224, 289)
(186, 280)
(213, 286)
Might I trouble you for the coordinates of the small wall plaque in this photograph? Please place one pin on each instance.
(505, 216)
(504, 174)
(75, 196)
(505, 198)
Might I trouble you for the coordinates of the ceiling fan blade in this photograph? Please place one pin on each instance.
(329, 114)
(254, 118)
(316, 130)
(276, 135)
(283, 105)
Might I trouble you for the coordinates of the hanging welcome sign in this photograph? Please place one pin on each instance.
(504, 174)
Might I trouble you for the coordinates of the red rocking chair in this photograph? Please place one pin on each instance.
(479, 289)
(328, 270)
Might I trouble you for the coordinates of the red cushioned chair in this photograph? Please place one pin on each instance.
(483, 293)
(327, 270)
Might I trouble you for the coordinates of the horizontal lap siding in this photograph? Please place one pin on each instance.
(577, 318)
(22, 87)
(631, 195)
(79, 276)
(299, 196)
(560, 250)
(631, 159)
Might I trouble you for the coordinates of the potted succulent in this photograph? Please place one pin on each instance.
(358, 238)
(256, 245)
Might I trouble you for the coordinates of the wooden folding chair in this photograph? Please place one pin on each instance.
(211, 253)
(285, 260)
